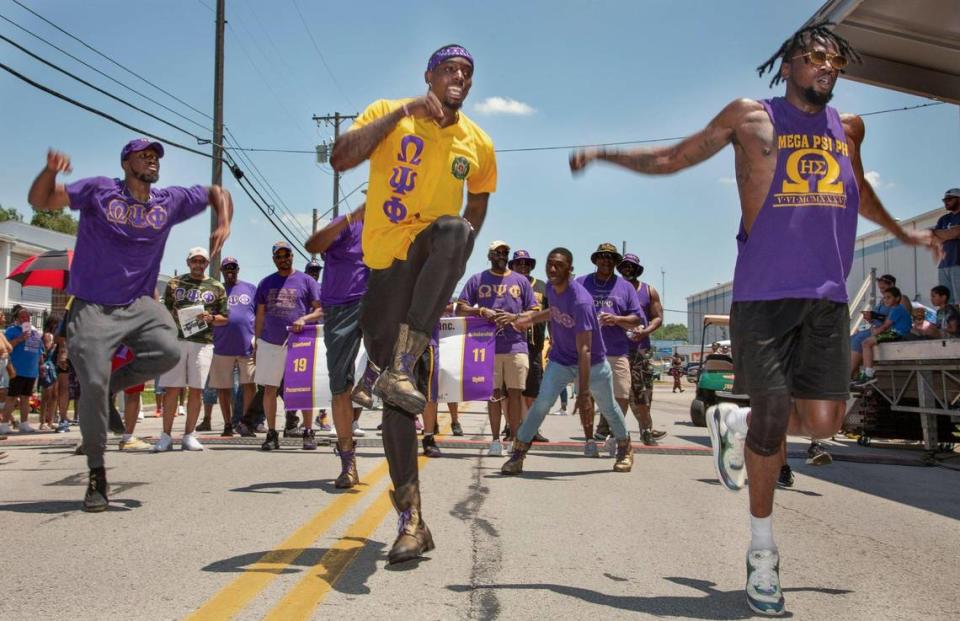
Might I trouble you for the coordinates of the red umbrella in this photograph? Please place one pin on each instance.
(50, 269)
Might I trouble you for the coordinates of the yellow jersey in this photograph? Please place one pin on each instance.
(417, 174)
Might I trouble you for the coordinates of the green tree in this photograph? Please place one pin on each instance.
(10, 214)
(55, 221)
(671, 332)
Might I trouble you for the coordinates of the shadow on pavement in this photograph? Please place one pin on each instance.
(358, 563)
(53, 507)
(712, 604)
(277, 487)
(780, 490)
(698, 440)
(542, 475)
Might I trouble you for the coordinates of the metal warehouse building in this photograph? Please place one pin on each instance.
(912, 266)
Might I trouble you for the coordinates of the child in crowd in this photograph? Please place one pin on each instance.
(897, 325)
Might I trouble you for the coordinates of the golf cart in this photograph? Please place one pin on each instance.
(715, 376)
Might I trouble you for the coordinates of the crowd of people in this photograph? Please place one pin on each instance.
(390, 274)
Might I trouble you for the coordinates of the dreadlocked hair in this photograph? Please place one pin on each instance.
(800, 40)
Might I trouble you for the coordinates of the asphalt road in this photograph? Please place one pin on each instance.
(236, 533)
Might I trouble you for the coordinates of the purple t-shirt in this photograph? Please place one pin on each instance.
(344, 273)
(572, 312)
(510, 292)
(120, 240)
(236, 338)
(287, 298)
(617, 296)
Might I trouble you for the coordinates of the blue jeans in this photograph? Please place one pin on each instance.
(949, 277)
(555, 379)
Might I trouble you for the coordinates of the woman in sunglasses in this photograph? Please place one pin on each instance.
(801, 188)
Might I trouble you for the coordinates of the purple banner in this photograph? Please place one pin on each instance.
(299, 377)
(479, 349)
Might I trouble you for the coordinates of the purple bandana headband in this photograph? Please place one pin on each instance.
(446, 53)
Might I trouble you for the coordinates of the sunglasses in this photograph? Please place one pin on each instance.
(950, 198)
(821, 59)
(606, 255)
(523, 262)
(283, 255)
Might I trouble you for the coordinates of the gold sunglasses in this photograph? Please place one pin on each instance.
(821, 59)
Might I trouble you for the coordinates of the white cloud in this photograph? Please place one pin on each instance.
(876, 180)
(305, 220)
(727, 180)
(504, 105)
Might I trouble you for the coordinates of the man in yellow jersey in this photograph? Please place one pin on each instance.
(416, 244)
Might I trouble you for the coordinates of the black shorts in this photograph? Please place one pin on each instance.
(21, 386)
(801, 347)
(534, 377)
(342, 338)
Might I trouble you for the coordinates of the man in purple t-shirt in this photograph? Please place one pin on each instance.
(285, 299)
(577, 353)
(618, 310)
(802, 186)
(233, 344)
(500, 295)
(344, 283)
(123, 229)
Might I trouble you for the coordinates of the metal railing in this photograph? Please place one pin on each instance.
(857, 305)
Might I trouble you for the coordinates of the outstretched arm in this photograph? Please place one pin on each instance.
(222, 204)
(870, 206)
(321, 240)
(45, 193)
(673, 158)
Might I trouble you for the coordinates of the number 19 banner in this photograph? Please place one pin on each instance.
(306, 381)
(466, 359)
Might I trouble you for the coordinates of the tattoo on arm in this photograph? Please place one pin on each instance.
(356, 145)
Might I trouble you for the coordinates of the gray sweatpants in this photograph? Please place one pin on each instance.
(94, 332)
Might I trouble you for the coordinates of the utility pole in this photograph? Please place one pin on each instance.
(217, 126)
(335, 119)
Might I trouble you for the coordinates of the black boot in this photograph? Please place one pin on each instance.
(362, 393)
(396, 385)
(348, 467)
(95, 500)
(272, 443)
(115, 423)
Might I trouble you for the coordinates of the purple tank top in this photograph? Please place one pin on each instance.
(643, 292)
(801, 244)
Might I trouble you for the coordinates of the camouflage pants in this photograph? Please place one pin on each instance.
(641, 376)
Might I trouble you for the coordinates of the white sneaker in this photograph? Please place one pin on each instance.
(590, 449)
(763, 582)
(140, 417)
(189, 442)
(26, 428)
(357, 431)
(165, 443)
(727, 447)
(181, 411)
(496, 449)
(4, 429)
(610, 446)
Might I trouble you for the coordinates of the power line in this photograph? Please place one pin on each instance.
(320, 54)
(109, 77)
(99, 53)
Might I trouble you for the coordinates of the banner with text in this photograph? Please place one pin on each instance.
(466, 359)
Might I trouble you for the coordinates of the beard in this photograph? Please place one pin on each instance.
(815, 98)
(453, 105)
(147, 177)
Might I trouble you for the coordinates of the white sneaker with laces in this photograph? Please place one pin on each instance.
(590, 448)
(26, 428)
(189, 442)
(496, 449)
(358, 432)
(610, 446)
(727, 447)
(763, 582)
(165, 443)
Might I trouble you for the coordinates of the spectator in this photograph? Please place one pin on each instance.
(7, 372)
(897, 325)
(196, 345)
(947, 231)
(47, 379)
(939, 297)
(27, 348)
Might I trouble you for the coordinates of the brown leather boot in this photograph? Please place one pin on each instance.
(396, 385)
(362, 393)
(624, 461)
(514, 465)
(414, 537)
(348, 467)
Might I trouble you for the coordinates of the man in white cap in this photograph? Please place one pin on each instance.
(197, 303)
(947, 231)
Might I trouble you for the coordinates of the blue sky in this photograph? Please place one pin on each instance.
(584, 72)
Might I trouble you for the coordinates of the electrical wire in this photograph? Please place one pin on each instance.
(320, 54)
(101, 54)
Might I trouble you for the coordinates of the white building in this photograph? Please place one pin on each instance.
(913, 268)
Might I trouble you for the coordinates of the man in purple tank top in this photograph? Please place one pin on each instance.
(801, 187)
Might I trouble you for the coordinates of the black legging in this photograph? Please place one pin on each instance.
(415, 292)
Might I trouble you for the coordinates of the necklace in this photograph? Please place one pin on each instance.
(604, 283)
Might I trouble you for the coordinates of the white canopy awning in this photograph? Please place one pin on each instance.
(907, 45)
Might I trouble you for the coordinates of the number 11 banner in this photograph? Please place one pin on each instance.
(466, 359)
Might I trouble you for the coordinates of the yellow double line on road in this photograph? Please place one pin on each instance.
(302, 600)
